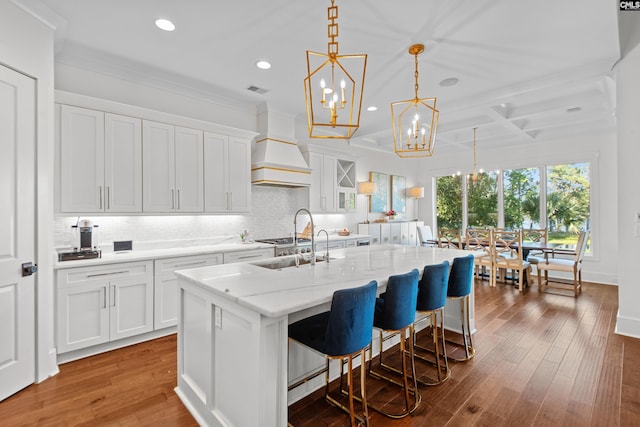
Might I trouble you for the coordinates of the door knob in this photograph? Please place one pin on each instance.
(29, 268)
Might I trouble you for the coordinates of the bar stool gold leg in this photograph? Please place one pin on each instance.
(439, 350)
(467, 341)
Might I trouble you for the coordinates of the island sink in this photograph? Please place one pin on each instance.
(287, 262)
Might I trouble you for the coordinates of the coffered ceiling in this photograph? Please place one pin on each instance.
(527, 71)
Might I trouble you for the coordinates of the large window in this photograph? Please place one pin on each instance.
(515, 198)
(482, 205)
(522, 198)
(568, 202)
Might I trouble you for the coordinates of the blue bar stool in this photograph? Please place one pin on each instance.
(343, 332)
(395, 312)
(432, 297)
(460, 281)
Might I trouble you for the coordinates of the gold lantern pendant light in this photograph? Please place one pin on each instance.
(333, 88)
(414, 121)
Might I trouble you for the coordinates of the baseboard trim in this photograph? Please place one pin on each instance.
(627, 326)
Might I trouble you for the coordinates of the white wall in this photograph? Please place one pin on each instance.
(628, 174)
(599, 150)
(26, 45)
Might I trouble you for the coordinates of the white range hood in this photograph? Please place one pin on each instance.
(279, 163)
(276, 159)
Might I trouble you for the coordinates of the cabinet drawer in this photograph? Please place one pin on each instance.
(242, 256)
(80, 275)
(172, 264)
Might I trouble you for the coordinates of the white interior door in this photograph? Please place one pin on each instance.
(17, 230)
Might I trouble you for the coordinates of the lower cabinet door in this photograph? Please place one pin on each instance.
(166, 286)
(83, 316)
(131, 310)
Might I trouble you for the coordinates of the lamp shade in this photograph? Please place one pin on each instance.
(416, 192)
(366, 187)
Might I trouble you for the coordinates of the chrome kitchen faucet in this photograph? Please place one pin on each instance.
(295, 233)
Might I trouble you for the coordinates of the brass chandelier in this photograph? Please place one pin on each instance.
(414, 121)
(333, 88)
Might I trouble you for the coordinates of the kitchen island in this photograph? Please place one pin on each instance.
(233, 353)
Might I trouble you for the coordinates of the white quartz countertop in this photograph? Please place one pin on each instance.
(275, 293)
(150, 254)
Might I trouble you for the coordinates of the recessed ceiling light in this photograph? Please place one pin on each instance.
(451, 81)
(165, 24)
(372, 108)
(263, 65)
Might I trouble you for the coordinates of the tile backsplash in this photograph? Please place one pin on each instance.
(272, 216)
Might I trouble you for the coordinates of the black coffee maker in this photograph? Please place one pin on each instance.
(84, 245)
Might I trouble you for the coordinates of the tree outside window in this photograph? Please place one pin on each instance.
(449, 201)
(568, 202)
(482, 200)
(522, 198)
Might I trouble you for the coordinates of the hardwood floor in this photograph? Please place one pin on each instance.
(541, 360)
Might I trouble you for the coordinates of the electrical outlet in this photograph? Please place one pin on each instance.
(217, 312)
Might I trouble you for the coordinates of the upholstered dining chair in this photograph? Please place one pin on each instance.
(432, 297)
(425, 236)
(343, 332)
(449, 238)
(394, 314)
(571, 265)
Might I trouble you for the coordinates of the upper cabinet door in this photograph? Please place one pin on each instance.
(189, 163)
(329, 189)
(227, 173)
(316, 162)
(216, 193)
(81, 160)
(123, 164)
(239, 167)
(158, 166)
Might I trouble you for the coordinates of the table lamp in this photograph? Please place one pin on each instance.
(416, 193)
(367, 188)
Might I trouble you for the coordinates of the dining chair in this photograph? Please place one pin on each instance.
(509, 256)
(343, 332)
(480, 241)
(449, 238)
(425, 236)
(538, 236)
(571, 265)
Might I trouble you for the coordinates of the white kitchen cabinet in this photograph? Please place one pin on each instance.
(81, 160)
(227, 174)
(346, 185)
(165, 299)
(321, 245)
(249, 255)
(96, 305)
(322, 193)
(397, 232)
(173, 168)
(122, 164)
(100, 161)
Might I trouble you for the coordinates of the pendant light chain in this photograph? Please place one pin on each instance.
(416, 75)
